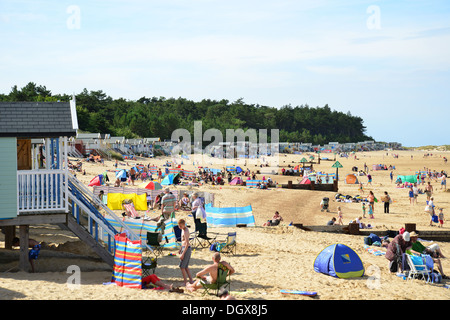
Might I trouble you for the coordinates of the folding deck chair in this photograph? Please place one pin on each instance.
(130, 210)
(149, 264)
(223, 281)
(418, 268)
(153, 240)
(200, 237)
(228, 246)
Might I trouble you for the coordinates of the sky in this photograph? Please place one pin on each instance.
(387, 62)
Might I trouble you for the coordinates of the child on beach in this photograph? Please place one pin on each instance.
(364, 209)
(371, 212)
(441, 217)
(361, 188)
(340, 216)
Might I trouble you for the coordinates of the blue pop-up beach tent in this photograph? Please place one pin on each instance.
(121, 174)
(168, 180)
(340, 261)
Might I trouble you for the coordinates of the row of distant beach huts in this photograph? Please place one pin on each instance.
(106, 145)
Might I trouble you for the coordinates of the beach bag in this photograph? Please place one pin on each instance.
(200, 213)
(428, 209)
(367, 241)
(435, 218)
(393, 266)
(374, 238)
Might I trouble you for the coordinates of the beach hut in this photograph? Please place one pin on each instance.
(340, 261)
(36, 186)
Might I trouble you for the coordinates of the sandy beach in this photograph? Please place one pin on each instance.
(268, 259)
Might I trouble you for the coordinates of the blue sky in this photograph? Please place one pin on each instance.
(385, 61)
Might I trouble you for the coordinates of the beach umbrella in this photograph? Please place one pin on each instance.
(151, 185)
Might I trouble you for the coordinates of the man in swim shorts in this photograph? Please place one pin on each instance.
(209, 274)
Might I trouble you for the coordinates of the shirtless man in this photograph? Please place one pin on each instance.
(429, 191)
(209, 274)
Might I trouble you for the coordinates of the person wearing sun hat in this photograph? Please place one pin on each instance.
(418, 248)
(434, 250)
(395, 250)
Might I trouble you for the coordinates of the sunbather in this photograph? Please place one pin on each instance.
(276, 219)
(152, 281)
(209, 274)
(434, 251)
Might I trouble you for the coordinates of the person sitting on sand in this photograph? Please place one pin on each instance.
(276, 219)
(185, 203)
(209, 274)
(332, 222)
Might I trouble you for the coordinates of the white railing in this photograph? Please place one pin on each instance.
(42, 191)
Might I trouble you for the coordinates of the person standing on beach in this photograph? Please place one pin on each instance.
(369, 179)
(371, 199)
(416, 192)
(429, 191)
(185, 252)
(340, 217)
(411, 196)
(387, 200)
(167, 208)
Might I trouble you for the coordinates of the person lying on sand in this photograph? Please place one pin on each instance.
(209, 274)
(152, 281)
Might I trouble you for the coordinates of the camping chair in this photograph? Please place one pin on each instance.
(418, 268)
(228, 246)
(200, 238)
(223, 281)
(153, 240)
(149, 264)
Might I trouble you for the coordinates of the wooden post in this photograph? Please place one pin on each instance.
(410, 227)
(24, 263)
(353, 228)
(289, 184)
(10, 233)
